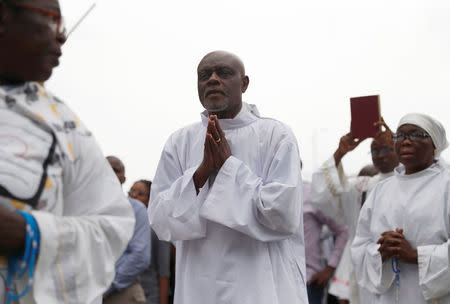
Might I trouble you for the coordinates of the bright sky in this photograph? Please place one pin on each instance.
(129, 71)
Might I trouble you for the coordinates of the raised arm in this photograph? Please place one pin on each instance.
(347, 143)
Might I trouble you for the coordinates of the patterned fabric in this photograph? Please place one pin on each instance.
(27, 125)
(76, 219)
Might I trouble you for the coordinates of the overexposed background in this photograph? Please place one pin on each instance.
(129, 71)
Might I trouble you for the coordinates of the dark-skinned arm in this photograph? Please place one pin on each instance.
(329, 181)
(200, 177)
(347, 143)
(12, 230)
(216, 152)
(164, 285)
(322, 277)
(394, 245)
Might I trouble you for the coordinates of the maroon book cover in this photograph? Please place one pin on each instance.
(365, 112)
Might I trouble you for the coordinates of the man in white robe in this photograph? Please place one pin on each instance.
(405, 223)
(341, 198)
(231, 200)
(52, 168)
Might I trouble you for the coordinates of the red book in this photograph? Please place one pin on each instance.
(365, 112)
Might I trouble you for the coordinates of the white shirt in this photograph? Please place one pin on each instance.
(85, 221)
(241, 239)
(419, 204)
(339, 197)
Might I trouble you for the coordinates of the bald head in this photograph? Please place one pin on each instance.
(225, 56)
(221, 83)
(118, 168)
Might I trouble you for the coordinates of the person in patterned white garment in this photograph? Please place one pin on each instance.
(52, 172)
(404, 226)
(341, 198)
(228, 193)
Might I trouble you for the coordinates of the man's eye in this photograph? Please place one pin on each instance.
(224, 73)
(204, 76)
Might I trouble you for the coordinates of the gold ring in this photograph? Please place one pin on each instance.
(218, 140)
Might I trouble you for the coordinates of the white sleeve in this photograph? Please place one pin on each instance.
(174, 204)
(371, 273)
(331, 190)
(434, 270)
(327, 186)
(266, 210)
(79, 249)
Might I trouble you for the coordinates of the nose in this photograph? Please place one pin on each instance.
(378, 156)
(405, 142)
(382, 156)
(133, 194)
(213, 79)
(61, 37)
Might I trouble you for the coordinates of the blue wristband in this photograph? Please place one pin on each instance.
(19, 264)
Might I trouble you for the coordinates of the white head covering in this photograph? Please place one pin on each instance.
(433, 127)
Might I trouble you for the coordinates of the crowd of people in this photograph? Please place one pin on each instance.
(227, 218)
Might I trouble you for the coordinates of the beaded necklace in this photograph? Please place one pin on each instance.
(19, 264)
(396, 270)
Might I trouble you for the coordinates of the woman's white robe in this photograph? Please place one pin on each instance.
(420, 205)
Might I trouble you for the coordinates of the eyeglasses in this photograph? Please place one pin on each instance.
(384, 150)
(55, 20)
(137, 193)
(399, 137)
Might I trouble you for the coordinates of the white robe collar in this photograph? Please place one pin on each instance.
(386, 175)
(248, 114)
(436, 167)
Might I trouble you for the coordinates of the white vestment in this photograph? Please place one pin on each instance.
(241, 239)
(419, 204)
(85, 220)
(340, 197)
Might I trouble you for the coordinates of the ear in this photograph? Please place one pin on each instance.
(245, 82)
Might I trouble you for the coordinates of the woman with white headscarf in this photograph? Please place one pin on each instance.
(401, 251)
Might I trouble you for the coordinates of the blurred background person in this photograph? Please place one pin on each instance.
(341, 198)
(59, 200)
(154, 279)
(314, 221)
(126, 287)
